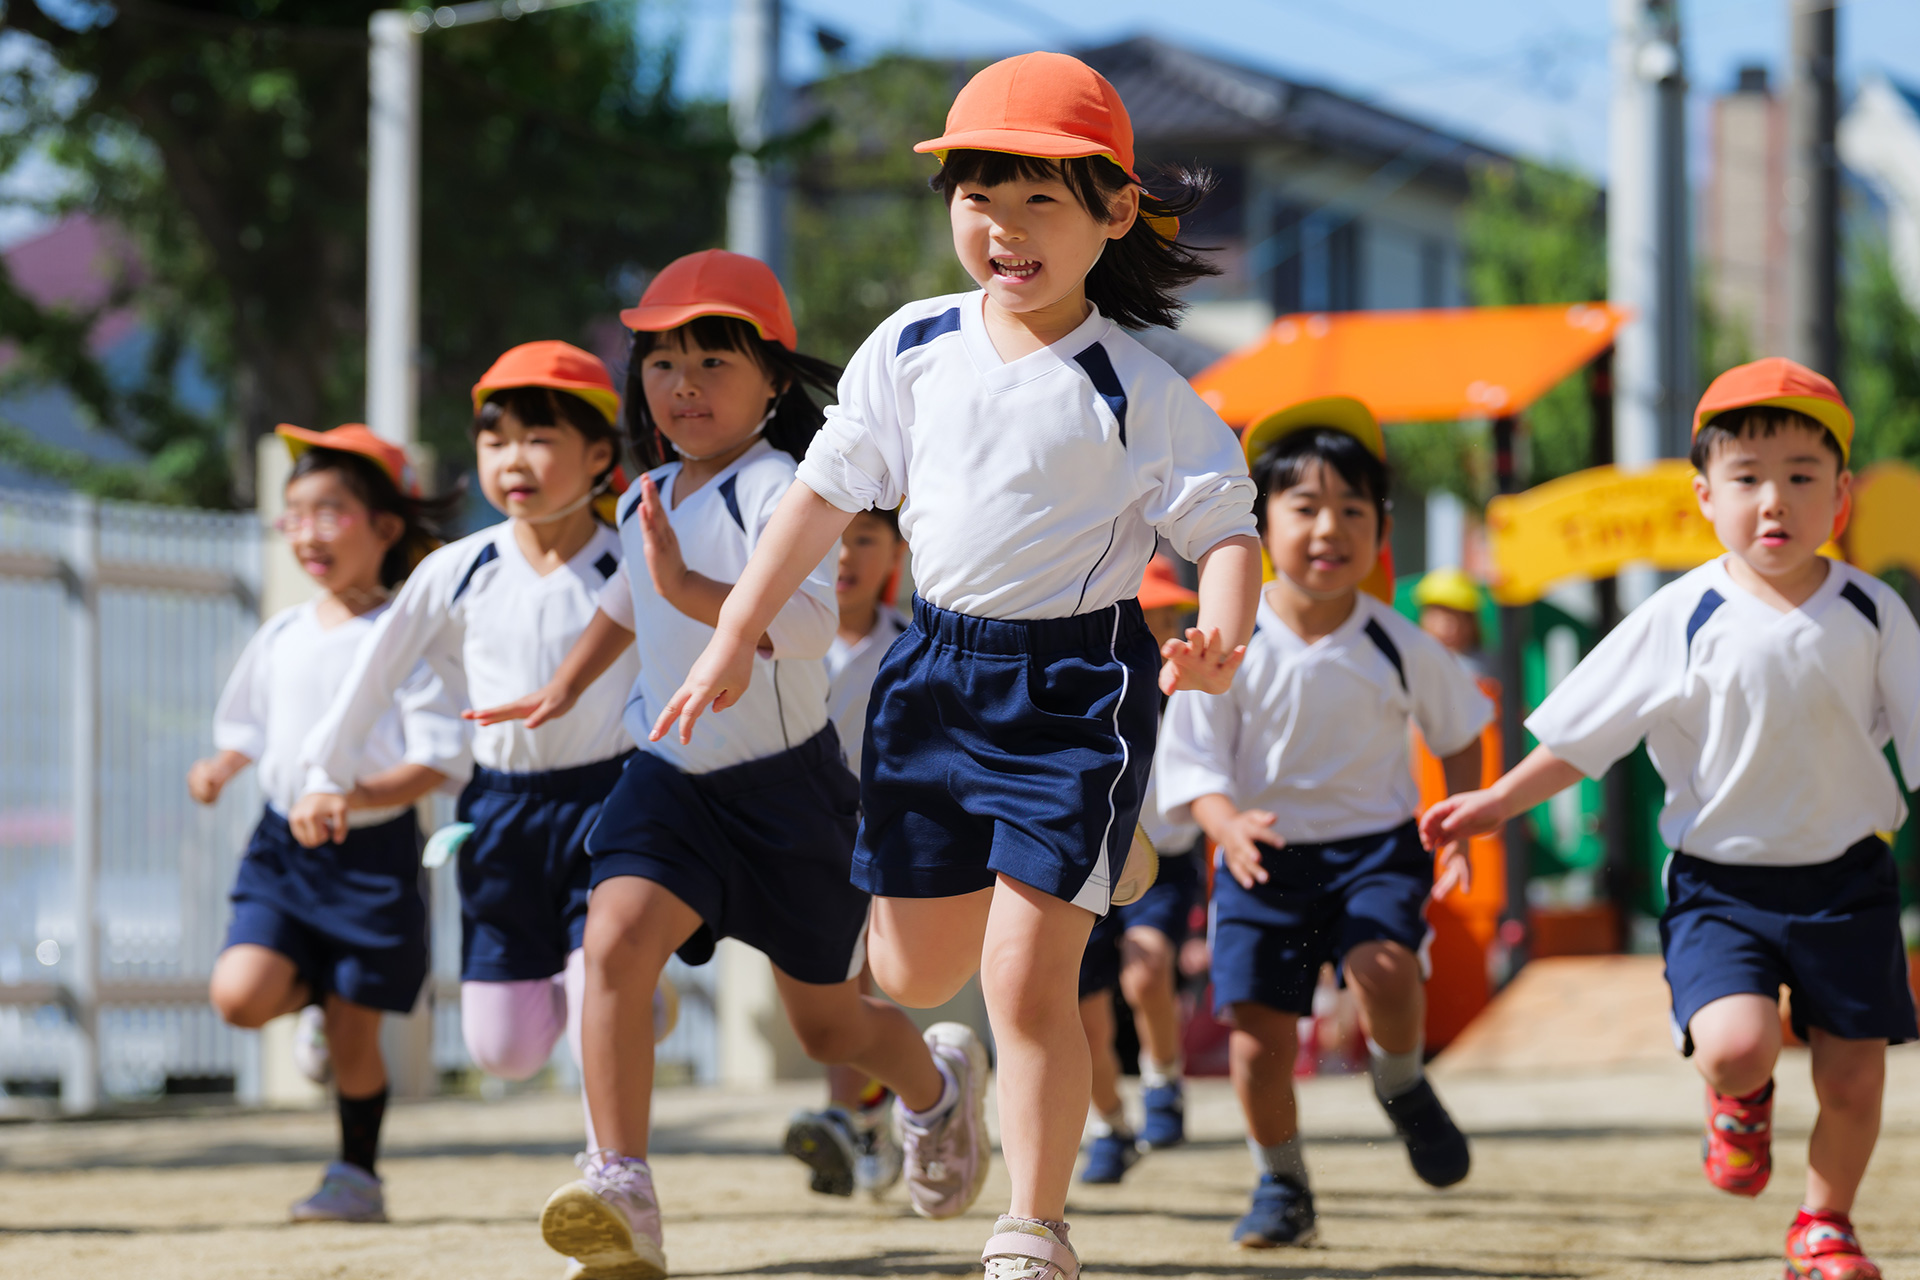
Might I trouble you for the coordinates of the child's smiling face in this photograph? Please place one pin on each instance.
(705, 401)
(1774, 500)
(1030, 242)
(533, 471)
(1323, 534)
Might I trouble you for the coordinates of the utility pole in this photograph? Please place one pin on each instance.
(1649, 266)
(1812, 206)
(754, 202)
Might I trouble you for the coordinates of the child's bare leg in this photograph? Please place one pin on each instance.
(633, 926)
(1260, 1057)
(1385, 980)
(921, 951)
(353, 1039)
(252, 985)
(1096, 1017)
(1736, 1040)
(847, 1083)
(1030, 977)
(1146, 979)
(1849, 1076)
(836, 1024)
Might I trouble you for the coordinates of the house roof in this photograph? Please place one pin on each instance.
(1178, 97)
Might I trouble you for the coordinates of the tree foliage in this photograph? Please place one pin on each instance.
(1880, 358)
(229, 138)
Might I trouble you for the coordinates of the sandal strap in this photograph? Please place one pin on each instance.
(1019, 1244)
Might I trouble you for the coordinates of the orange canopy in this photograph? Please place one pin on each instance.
(1413, 366)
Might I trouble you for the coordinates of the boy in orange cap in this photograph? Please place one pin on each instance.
(1039, 450)
(1767, 685)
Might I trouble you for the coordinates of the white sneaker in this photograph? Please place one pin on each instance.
(878, 1159)
(347, 1193)
(608, 1222)
(946, 1159)
(1022, 1249)
(311, 1055)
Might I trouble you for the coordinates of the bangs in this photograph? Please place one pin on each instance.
(709, 333)
(992, 168)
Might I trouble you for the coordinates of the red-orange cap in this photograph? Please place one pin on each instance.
(1039, 104)
(1777, 382)
(559, 365)
(354, 437)
(1160, 589)
(714, 282)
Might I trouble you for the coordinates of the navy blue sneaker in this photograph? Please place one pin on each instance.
(1282, 1214)
(1109, 1158)
(1166, 1124)
(1434, 1142)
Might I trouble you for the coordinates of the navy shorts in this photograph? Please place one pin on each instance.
(1320, 901)
(759, 850)
(1167, 907)
(1010, 748)
(1829, 933)
(523, 872)
(350, 916)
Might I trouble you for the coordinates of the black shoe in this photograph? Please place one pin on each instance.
(1434, 1142)
(1282, 1214)
(824, 1141)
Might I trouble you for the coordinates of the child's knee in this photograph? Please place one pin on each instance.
(829, 1042)
(1382, 969)
(241, 1004)
(1853, 1078)
(916, 984)
(1260, 1032)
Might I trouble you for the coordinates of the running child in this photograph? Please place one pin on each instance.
(493, 615)
(332, 918)
(850, 1144)
(747, 833)
(1302, 777)
(1767, 685)
(1134, 947)
(1038, 449)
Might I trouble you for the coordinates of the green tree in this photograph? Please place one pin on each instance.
(229, 138)
(1880, 357)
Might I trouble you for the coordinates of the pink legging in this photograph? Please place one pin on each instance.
(511, 1027)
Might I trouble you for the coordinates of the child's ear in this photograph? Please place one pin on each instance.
(1845, 484)
(1123, 211)
(1703, 494)
(389, 528)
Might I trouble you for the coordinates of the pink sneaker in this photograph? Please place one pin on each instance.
(609, 1220)
(1022, 1249)
(946, 1159)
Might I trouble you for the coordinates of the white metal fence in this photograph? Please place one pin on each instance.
(118, 625)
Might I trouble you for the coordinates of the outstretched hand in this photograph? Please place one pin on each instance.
(717, 680)
(549, 702)
(1460, 817)
(666, 565)
(1456, 871)
(1200, 660)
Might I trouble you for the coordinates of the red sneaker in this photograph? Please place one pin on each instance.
(1822, 1246)
(1738, 1148)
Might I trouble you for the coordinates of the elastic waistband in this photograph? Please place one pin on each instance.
(811, 756)
(1095, 632)
(276, 821)
(600, 773)
(1867, 849)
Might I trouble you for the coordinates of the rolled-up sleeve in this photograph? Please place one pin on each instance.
(1205, 495)
(849, 462)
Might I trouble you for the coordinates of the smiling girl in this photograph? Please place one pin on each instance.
(342, 928)
(1040, 452)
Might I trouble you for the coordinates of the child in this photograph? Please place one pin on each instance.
(851, 1143)
(1135, 947)
(1767, 685)
(747, 833)
(1038, 449)
(1302, 778)
(335, 918)
(493, 614)
(1449, 603)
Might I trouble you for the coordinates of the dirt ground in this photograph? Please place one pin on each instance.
(1575, 1176)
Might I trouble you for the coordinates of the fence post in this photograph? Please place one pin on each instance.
(80, 1090)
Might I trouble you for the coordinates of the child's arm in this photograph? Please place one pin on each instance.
(209, 777)
(598, 648)
(239, 721)
(798, 537)
(1462, 771)
(1238, 834)
(1210, 653)
(320, 816)
(1535, 780)
(694, 594)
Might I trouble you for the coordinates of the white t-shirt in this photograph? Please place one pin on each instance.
(282, 685)
(1767, 727)
(1032, 489)
(1317, 733)
(851, 670)
(1168, 837)
(493, 630)
(719, 525)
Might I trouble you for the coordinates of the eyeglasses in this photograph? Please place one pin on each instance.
(326, 523)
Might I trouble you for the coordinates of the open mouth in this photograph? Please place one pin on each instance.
(1015, 268)
(1775, 538)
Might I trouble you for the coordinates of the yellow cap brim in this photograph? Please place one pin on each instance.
(1834, 417)
(1341, 413)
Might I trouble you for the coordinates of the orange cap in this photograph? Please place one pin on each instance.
(1160, 589)
(714, 282)
(1779, 383)
(559, 365)
(1039, 104)
(354, 437)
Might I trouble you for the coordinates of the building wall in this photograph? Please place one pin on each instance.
(1744, 235)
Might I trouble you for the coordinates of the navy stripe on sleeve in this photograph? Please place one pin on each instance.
(728, 496)
(1860, 600)
(921, 332)
(1701, 612)
(1100, 372)
(1388, 649)
(607, 564)
(488, 554)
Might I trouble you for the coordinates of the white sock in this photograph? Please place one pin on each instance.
(1393, 1073)
(1283, 1159)
(1115, 1122)
(949, 1094)
(1155, 1075)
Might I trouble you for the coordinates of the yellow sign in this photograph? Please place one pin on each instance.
(1885, 530)
(1592, 524)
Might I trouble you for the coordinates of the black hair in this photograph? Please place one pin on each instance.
(425, 519)
(1757, 420)
(1136, 280)
(889, 516)
(796, 416)
(550, 407)
(1286, 462)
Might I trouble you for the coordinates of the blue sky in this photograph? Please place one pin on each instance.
(1526, 75)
